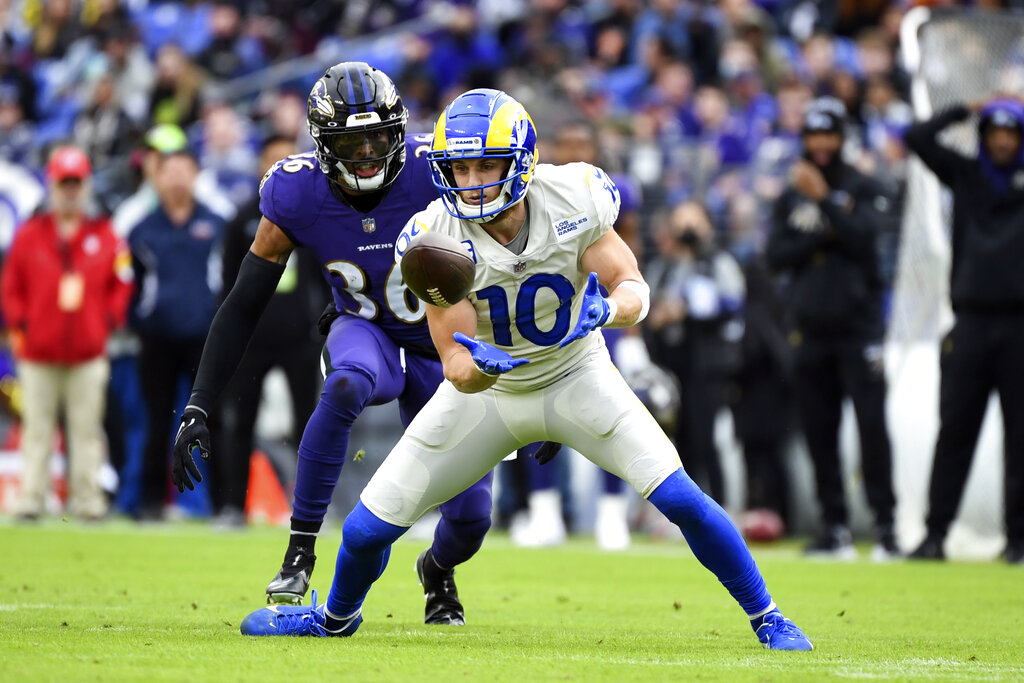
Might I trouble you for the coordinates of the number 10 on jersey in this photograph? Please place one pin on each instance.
(526, 310)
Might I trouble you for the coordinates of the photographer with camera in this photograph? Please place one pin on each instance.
(694, 329)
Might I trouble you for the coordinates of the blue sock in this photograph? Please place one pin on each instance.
(325, 442)
(714, 539)
(365, 547)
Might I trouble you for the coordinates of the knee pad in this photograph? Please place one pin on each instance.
(679, 498)
(347, 391)
(364, 534)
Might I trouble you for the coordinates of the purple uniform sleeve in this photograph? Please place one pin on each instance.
(289, 195)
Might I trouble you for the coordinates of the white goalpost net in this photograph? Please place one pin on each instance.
(954, 57)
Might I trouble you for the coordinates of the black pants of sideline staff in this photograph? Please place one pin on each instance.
(162, 363)
(826, 371)
(984, 352)
(230, 469)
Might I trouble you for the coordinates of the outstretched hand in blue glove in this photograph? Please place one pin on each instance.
(488, 359)
(595, 312)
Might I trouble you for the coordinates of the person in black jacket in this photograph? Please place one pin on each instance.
(984, 349)
(285, 337)
(824, 233)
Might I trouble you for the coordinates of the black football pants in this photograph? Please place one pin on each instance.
(826, 371)
(982, 353)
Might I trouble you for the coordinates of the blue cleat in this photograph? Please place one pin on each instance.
(777, 632)
(297, 620)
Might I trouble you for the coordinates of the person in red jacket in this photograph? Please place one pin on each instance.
(66, 283)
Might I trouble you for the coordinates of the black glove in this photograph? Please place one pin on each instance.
(330, 314)
(192, 433)
(547, 451)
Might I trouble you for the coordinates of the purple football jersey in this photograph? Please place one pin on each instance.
(355, 249)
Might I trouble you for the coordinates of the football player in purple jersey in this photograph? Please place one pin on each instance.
(346, 202)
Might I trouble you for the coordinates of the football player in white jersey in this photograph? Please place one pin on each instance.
(521, 365)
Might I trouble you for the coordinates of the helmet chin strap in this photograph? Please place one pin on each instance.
(504, 197)
(493, 205)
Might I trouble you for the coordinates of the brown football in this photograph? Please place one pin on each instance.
(438, 269)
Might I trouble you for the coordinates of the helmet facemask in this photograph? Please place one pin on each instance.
(513, 187)
(345, 155)
(483, 123)
(357, 122)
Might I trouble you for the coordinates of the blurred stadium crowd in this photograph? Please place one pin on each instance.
(688, 99)
(679, 100)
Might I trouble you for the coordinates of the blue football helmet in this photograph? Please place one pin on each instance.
(479, 123)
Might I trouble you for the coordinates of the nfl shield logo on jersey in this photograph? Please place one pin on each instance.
(369, 224)
(519, 267)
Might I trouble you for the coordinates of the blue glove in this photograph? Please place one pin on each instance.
(489, 360)
(594, 313)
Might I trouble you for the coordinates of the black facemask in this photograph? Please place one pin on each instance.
(832, 170)
(689, 237)
(826, 115)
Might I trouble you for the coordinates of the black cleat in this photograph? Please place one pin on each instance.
(443, 606)
(930, 549)
(292, 582)
(1014, 553)
(886, 549)
(834, 543)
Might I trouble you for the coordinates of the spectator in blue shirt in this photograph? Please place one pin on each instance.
(176, 252)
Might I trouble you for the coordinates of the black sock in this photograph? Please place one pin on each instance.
(303, 537)
(431, 567)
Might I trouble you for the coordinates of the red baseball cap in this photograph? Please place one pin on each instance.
(68, 162)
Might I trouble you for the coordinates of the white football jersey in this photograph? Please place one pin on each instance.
(527, 303)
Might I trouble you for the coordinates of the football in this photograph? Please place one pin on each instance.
(438, 269)
(761, 525)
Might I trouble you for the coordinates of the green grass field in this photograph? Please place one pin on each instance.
(120, 602)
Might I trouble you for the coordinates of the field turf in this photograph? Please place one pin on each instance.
(117, 602)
